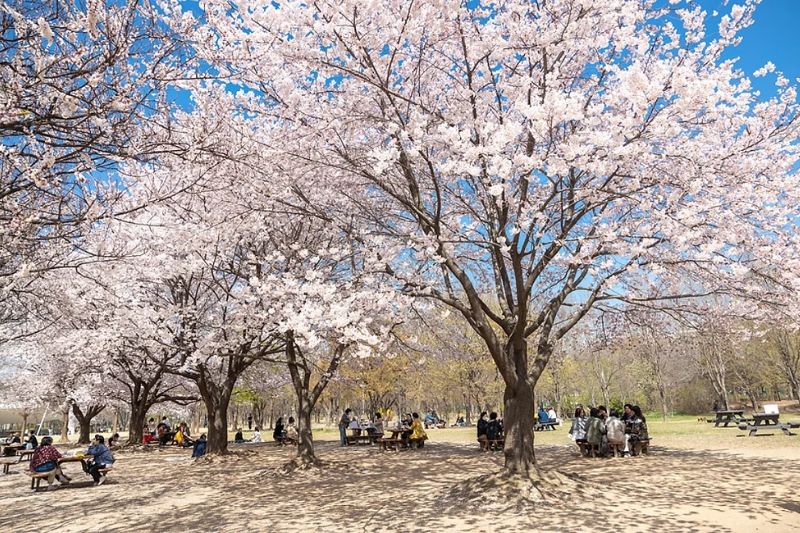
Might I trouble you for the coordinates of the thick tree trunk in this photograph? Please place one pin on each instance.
(518, 422)
(139, 408)
(305, 442)
(216, 400)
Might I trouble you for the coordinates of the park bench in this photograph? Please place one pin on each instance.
(544, 426)
(637, 447)
(7, 462)
(753, 429)
(390, 444)
(496, 444)
(37, 477)
(416, 443)
(360, 439)
(285, 441)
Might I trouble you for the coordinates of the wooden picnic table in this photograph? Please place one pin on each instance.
(766, 422)
(726, 417)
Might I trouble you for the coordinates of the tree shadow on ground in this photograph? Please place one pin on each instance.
(670, 490)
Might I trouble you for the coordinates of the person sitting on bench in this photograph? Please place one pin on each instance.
(278, 433)
(542, 416)
(290, 433)
(45, 459)
(102, 459)
(494, 431)
(418, 434)
(483, 439)
(638, 428)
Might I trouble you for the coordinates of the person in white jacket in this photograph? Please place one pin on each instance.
(615, 432)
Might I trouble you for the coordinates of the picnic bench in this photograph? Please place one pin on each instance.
(726, 417)
(766, 422)
(638, 447)
(361, 439)
(7, 462)
(546, 425)
(285, 441)
(37, 477)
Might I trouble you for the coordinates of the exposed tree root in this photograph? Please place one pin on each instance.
(302, 466)
(227, 457)
(503, 491)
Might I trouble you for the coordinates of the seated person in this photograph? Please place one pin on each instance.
(31, 442)
(256, 435)
(542, 416)
(494, 430)
(15, 439)
(101, 459)
(417, 431)
(355, 426)
(377, 426)
(164, 434)
(113, 440)
(199, 448)
(45, 459)
(239, 437)
(551, 413)
(483, 438)
(277, 433)
(291, 431)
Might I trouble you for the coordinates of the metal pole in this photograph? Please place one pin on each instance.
(42, 422)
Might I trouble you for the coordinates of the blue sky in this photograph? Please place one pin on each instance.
(773, 37)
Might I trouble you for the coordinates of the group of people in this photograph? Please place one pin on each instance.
(490, 432)
(603, 432)
(164, 434)
(284, 434)
(410, 424)
(46, 457)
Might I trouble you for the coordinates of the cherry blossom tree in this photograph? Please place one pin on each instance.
(77, 81)
(523, 161)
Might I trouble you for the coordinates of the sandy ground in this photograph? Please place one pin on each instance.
(695, 479)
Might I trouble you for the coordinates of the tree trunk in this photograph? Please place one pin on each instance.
(136, 428)
(85, 419)
(139, 408)
(518, 422)
(115, 423)
(662, 395)
(65, 425)
(216, 399)
(305, 442)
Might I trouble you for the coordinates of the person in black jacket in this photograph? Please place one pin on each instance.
(483, 425)
(494, 430)
(278, 433)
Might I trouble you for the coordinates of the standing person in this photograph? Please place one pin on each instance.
(483, 426)
(45, 459)
(250, 422)
(578, 429)
(343, 423)
(102, 459)
(615, 433)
